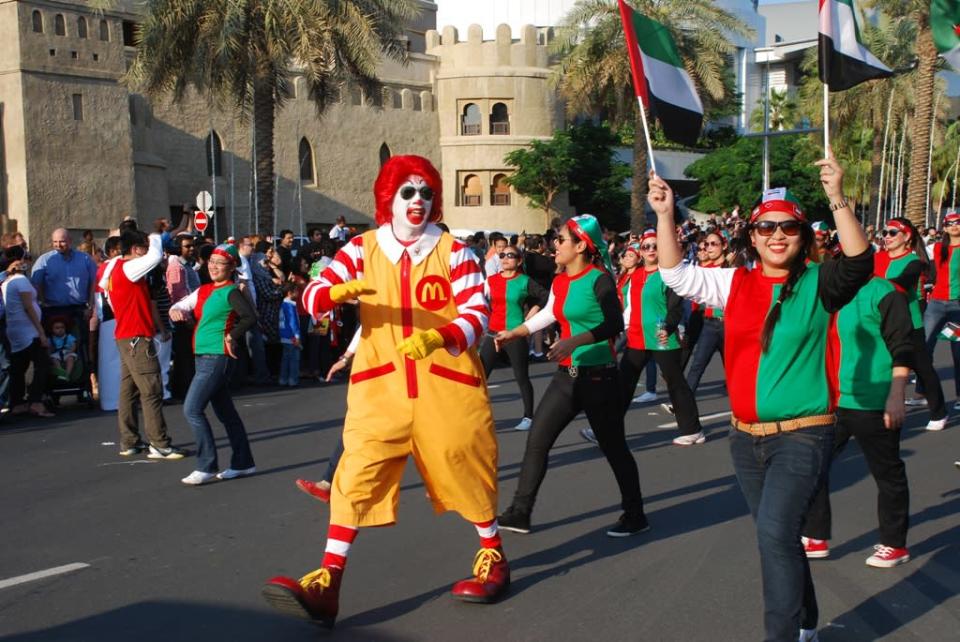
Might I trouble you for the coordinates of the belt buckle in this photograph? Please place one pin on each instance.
(573, 371)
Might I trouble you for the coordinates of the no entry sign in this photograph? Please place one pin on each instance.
(201, 221)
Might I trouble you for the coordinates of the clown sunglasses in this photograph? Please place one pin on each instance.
(790, 227)
(408, 192)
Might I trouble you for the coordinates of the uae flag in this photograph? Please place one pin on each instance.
(950, 332)
(945, 23)
(844, 61)
(659, 79)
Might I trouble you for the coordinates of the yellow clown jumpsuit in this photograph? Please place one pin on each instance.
(436, 408)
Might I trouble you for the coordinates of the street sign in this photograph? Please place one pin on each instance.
(201, 220)
(204, 201)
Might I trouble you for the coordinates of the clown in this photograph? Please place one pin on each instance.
(417, 387)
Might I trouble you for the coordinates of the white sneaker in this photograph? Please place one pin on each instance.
(230, 473)
(587, 434)
(646, 397)
(668, 407)
(956, 404)
(915, 401)
(937, 424)
(808, 635)
(524, 424)
(690, 440)
(198, 478)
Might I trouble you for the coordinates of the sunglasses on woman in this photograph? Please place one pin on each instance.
(889, 232)
(508, 255)
(789, 227)
(408, 192)
(649, 247)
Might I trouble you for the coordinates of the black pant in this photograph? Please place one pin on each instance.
(516, 353)
(669, 362)
(711, 340)
(928, 381)
(881, 449)
(183, 367)
(333, 462)
(19, 361)
(693, 329)
(597, 393)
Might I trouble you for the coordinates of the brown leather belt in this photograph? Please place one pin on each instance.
(764, 429)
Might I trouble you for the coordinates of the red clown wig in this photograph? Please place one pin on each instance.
(395, 173)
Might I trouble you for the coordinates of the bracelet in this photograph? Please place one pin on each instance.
(839, 205)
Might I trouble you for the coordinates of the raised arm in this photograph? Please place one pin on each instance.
(136, 269)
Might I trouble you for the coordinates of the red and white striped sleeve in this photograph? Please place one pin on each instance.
(347, 265)
(466, 282)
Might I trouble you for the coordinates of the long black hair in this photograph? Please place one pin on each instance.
(798, 266)
(915, 243)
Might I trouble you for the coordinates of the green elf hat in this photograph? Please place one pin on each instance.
(587, 228)
(778, 199)
(228, 251)
(820, 228)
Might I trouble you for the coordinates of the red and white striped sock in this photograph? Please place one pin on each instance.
(339, 539)
(489, 534)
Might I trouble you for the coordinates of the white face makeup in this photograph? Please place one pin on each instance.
(411, 208)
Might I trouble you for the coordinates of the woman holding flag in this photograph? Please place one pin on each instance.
(777, 316)
(944, 303)
(583, 299)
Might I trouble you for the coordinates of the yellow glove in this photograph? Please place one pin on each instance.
(420, 345)
(350, 290)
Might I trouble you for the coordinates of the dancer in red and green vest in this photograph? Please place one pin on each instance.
(513, 298)
(652, 312)
(873, 337)
(583, 300)
(782, 393)
(223, 315)
(944, 303)
(903, 261)
(710, 340)
(630, 260)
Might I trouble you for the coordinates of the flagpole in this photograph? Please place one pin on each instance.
(826, 121)
(933, 127)
(883, 159)
(646, 134)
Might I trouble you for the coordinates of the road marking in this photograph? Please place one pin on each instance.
(492, 386)
(128, 463)
(715, 415)
(107, 443)
(39, 575)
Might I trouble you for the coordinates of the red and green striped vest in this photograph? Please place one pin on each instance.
(648, 311)
(947, 287)
(887, 268)
(791, 378)
(215, 317)
(507, 297)
(577, 310)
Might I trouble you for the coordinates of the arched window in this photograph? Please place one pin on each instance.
(470, 121)
(500, 120)
(37, 22)
(59, 26)
(307, 175)
(213, 151)
(499, 190)
(81, 27)
(384, 154)
(104, 31)
(471, 191)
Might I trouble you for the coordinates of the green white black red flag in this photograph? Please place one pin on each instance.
(844, 61)
(945, 24)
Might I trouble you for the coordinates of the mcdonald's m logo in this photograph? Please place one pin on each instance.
(433, 293)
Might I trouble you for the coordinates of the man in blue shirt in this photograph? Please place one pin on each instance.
(65, 279)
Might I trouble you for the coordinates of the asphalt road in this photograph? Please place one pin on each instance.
(168, 562)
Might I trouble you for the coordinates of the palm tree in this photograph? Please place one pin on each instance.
(246, 52)
(593, 73)
(783, 112)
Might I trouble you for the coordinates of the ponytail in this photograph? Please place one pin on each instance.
(797, 268)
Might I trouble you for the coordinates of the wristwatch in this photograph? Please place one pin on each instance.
(838, 205)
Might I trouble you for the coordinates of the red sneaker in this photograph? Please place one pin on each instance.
(319, 490)
(887, 556)
(316, 596)
(816, 549)
(490, 581)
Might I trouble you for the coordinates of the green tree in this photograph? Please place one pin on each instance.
(593, 73)
(597, 179)
(246, 52)
(783, 112)
(733, 175)
(542, 171)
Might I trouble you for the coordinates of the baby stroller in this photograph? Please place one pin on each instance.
(64, 379)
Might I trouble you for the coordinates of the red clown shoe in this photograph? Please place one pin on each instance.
(490, 581)
(316, 596)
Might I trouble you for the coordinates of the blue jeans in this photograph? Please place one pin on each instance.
(710, 341)
(779, 476)
(290, 365)
(211, 384)
(937, 314)
(258, 356)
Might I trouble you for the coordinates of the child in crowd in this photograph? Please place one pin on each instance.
(290, 337)
(63, 349)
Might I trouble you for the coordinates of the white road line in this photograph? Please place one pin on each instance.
(715, 415)
(39, 575)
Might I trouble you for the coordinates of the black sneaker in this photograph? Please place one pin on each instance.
(170, 452)
(136, 449)
(514, 519)
(629, 525)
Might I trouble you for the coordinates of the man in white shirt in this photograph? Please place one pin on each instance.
(339, 232)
